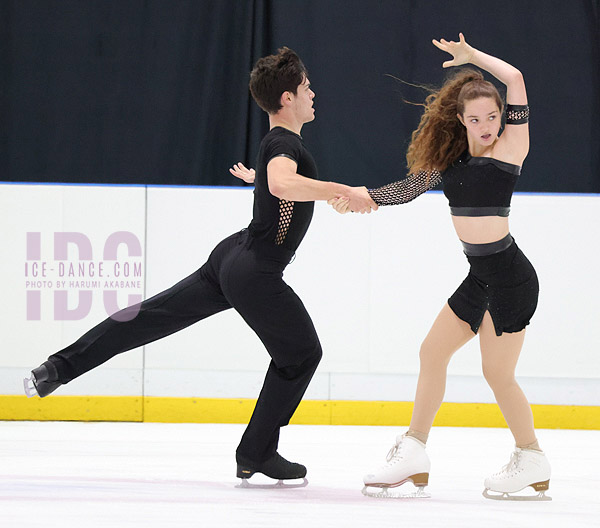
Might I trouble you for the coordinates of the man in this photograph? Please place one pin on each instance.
(244, 272)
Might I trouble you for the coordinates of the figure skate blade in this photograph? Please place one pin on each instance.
(384, 492)
(280, 484)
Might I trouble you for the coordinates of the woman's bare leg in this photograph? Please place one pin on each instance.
(446, 336)
(499, 356)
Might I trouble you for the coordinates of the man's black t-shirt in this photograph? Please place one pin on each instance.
(281, 222)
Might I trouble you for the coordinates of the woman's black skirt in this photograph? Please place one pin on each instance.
(503, 283)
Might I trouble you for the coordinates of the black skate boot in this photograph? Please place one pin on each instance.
(43, 380)
(275, 467)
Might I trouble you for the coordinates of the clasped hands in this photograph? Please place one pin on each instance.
(357, 200)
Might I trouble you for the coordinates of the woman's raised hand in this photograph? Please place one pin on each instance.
(461, 52)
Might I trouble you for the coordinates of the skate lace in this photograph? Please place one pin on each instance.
(395, 453)
(513, 463)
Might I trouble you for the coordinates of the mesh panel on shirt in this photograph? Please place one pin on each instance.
(407, 189)
(286, 209)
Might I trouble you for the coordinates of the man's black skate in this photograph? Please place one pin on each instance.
(276, 467)
(43, 380)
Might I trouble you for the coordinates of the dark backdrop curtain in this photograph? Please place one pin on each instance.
(155, 91)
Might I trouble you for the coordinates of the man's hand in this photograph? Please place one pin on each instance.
(340, 204)
(360, 201)
(357, 201)
(241, 172)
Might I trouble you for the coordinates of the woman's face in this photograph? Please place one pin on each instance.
(482, 120)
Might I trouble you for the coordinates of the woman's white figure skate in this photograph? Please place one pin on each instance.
(527, 467)
(406, 461)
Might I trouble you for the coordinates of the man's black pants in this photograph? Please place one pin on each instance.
(240, 273)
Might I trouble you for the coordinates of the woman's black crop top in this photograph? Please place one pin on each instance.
(473, 186)
(480, 186)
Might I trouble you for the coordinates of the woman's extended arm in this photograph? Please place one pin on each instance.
(463, 53)
(406, 190)
(515, 139)
(396, 193)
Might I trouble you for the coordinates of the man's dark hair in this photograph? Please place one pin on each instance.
(273, 75)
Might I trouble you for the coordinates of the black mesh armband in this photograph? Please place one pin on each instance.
(517, 114)
(405, 190)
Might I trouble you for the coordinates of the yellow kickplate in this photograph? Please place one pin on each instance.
(310, 412)
(76, 408)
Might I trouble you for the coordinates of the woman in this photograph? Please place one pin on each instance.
(457, 143)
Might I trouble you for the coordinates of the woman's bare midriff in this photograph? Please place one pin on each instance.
(480, 229)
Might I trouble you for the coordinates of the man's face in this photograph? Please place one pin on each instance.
(303, 102)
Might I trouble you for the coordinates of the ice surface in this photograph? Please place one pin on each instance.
(88, 475)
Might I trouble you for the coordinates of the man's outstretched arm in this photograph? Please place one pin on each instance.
(285, 183)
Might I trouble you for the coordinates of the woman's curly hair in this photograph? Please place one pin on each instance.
(441, 138)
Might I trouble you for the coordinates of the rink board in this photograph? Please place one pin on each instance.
(372, 284)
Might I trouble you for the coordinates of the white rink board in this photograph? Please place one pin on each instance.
(372, 283)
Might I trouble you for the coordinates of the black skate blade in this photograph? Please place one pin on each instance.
(280, 484)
